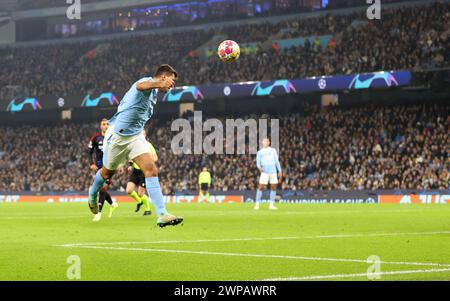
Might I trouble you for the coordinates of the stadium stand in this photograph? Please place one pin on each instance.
(386, 147)
(389, 147)
(410, 38)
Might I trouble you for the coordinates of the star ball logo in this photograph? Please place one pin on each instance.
(60, 102)
(322, 83)
(74, 10)
(227, 91)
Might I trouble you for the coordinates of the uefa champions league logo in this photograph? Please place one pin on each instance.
(60, 102)
(227, 91)
(322, 83)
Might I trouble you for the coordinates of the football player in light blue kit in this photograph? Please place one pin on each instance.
(124, 141)
(269, 165)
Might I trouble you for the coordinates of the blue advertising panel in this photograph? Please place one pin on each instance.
(383, 79)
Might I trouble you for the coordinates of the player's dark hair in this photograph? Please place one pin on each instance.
(166, 69)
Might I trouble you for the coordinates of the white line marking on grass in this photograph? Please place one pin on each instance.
(255, 255)
(377, 234)
(315, 212)
(42, 217)
(338, 276)
(178, 241)
(258, 238)
(343, 211)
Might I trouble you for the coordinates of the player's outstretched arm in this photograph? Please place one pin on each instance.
(165, 82)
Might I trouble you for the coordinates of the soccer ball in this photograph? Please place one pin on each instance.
(229, 51)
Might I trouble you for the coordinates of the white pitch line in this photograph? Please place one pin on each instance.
(338, 276)
(41, 217)
(258, 238)
(377, 234)
(258, 255)
(178, 241)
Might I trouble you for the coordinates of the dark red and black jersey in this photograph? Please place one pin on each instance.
(96, 146)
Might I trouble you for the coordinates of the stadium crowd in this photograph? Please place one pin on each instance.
(413, 39)
(359, 148)
(408, 38)
(389, 147)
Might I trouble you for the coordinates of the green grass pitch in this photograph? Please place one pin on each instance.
(227, 242)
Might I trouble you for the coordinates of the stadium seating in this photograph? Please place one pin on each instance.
(409, 38)
(388, 147)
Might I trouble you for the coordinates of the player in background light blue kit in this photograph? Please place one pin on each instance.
(269, 165)
(124, 141)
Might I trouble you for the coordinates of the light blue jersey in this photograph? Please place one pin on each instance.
(267, 159)
(135, 109)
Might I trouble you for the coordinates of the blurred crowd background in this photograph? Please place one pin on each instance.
(386, 147)
(372, 147)
(412, 38)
